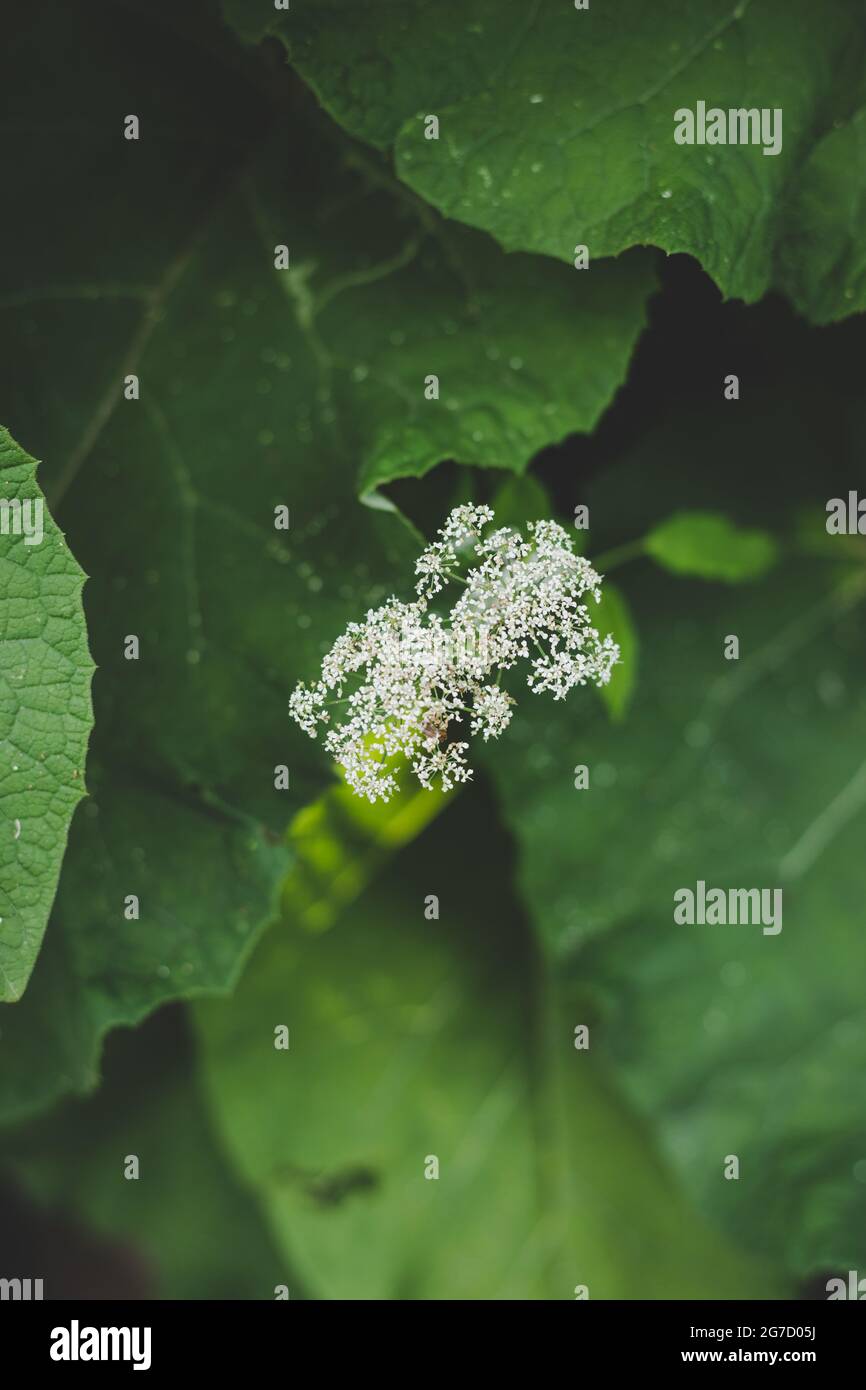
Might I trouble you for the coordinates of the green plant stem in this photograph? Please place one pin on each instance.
(620, 555)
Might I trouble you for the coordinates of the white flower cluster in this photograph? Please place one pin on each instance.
(407, 678)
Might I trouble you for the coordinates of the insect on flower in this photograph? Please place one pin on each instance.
(405, 679)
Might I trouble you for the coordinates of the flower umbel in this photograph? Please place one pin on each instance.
(411, 680)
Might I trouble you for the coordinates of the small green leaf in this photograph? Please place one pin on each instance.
(613, 615)
(45, 711)
(710, 546)
(519, 500)
(809, 536)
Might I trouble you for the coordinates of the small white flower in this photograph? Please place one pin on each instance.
(406, 679)
(491, 711)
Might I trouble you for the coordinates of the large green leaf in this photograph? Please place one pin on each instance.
(191, 1229)
(45, 711)
(744, 774)
(414, 1038)
(259, 388)
(557, 125)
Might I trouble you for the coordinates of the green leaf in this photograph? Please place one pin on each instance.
(822, 265)
(207, 885)
(259, 388)
(709, 546)
(728, 1036)
(556, 126)
(45, 711)
(149, 1105)
(412, 1039)
(741, 774)
(523, 355)
(613, 615)
(519, 500)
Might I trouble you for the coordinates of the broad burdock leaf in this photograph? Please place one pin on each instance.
(744, 774)
(150, 1106)
(556, 125)
(823, 250)
(737, 1041)
(222, 398)
(431, 1131)
(45, 710)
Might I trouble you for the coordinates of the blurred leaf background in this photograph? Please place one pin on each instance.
(452, 1037)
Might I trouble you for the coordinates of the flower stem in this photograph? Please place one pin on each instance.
(620, 555)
